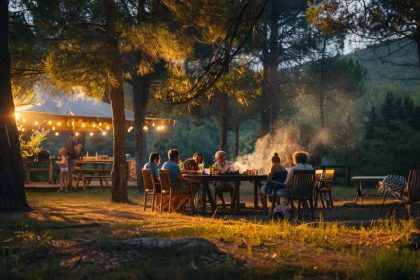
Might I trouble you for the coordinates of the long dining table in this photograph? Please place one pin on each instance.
(204, 180)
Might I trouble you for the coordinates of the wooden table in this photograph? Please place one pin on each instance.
(87, 174)
(48, 169)
(358, 181)
(204, 181)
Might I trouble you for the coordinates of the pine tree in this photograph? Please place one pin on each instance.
(371, 124)
(12, 193)
(388, 109)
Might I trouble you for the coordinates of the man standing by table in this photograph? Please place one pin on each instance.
(72, 151)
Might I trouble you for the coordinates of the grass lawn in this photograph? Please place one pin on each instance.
(84, 236)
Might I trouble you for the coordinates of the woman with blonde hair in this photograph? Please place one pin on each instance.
(63, 163)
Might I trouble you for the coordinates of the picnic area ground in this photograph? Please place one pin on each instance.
(82, 235)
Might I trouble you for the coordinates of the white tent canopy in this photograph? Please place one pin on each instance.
(75, 112)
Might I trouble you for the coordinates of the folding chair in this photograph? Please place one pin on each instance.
(408, 195)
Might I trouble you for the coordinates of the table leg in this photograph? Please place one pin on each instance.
(50, 172)
(204, 186)
(257, 186)
(236, 206)
(359, 194)
(210, 197)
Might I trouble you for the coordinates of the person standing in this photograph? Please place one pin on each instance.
(72, 151)
(63, 163)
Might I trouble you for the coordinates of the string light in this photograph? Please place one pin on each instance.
(17, 116)
(103, 133)
(77, 133)
(83, 125)
(36, 123)
(23, 129)
(23, 120)
(107, 127)
(153, 124)
(91, 134)
(59, 123)
(56, 134)
(53, 128)
(100, 123)
(49, 122)
(145, 128)
(94, 124)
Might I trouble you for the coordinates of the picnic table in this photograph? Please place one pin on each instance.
(205, 179)
(99, 170)
(358, 182)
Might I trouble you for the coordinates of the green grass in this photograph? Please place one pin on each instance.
(283, 249)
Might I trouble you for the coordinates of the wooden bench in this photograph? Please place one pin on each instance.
(86, 176)
(49, 169)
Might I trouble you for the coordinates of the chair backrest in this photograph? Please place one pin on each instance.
(318, 174)
(279, 176)
(328, 175)
(165, 180)
(302, 183)
(414, 185)
(148, 179)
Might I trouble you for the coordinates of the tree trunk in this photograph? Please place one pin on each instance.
(120, 167)
(237, 138)
(322, 89)
(223, 122)
(140, 101)
(271, 52)
(265, 108)
(12, 190)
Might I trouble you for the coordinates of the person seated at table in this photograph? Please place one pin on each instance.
(224, 166)
(193, 164)
(300, 162)
(181, 185)
(153, 164)
(277, 174)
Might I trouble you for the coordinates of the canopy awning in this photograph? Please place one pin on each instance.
(76, 113)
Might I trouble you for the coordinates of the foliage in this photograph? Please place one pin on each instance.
(390, 145)
(32, 146)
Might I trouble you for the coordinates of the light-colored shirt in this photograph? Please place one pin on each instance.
(299, 166)
(152, 166)
(229, 167)
(174, 170)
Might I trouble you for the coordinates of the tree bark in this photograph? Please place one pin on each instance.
(120, 167)
(322, 89)
(271, 52)
(265, 108)
(223, 122)
(140, 101)
(237, 138)
(12, 190)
